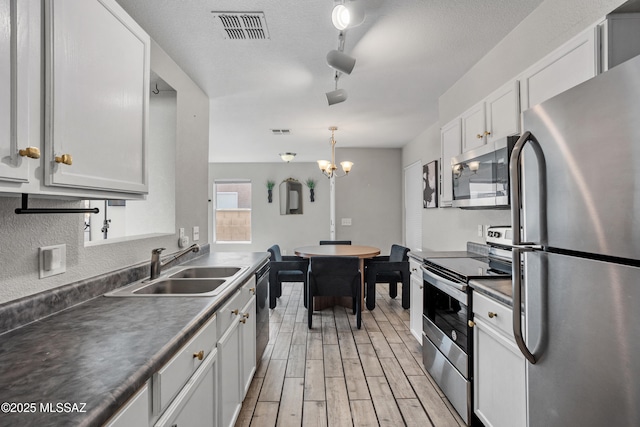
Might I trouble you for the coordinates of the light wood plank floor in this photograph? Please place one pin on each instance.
(337, 375)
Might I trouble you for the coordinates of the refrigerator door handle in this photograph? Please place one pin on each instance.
(517, 305)
(515, 176)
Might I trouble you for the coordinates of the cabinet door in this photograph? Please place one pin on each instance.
(248, 345)
(97, 97)
(568, 66)
(134, 413)
(229, 373)
(503, 112)
(499, 384)
(195, 405)
(415, 314)
(450, 138)
(12, 166)
(473, 127)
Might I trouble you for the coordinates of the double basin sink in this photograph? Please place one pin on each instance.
(188, 281)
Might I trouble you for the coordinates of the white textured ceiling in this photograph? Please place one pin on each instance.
(408, 52)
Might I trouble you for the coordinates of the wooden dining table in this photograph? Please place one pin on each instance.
(360, 251)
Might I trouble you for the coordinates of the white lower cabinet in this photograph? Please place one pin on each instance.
(136, 412)
(195, 405)
(499, 367)
(230, 401)
(236, 352)
(417, 291)
(248, 345)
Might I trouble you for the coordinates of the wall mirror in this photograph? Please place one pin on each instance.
(290, 197)
(156, 214)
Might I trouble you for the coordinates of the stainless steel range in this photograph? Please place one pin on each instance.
(447, 344)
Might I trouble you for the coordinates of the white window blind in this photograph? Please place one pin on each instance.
(413, 206)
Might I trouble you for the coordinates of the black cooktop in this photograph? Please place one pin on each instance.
(468, 268)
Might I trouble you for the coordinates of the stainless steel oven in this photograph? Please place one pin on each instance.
(447, 342)
(481, 176)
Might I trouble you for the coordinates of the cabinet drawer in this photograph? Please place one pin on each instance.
(501, 316)
(170, 379)
(228, 311)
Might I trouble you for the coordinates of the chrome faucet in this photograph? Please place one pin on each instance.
(157, 265)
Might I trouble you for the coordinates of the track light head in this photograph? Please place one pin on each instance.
(347, 15)
(340, 61)
(336, 96)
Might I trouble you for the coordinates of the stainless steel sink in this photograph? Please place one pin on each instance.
(187, 281)
(173, 286)
(206, 272)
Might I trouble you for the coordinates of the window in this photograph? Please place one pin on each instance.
(232, 215)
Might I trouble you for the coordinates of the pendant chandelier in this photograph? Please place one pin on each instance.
(329, 168)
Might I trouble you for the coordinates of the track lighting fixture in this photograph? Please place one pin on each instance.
(340, 61)
(347, 15)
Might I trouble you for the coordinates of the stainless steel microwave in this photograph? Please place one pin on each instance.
(481, 176)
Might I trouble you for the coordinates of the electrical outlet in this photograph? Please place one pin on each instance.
(196, 233)
(480, 233)
(180, 233)
(52, 260)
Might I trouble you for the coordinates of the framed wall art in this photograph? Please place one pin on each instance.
(430, 185)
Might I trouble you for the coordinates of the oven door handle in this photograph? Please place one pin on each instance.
(449, 287)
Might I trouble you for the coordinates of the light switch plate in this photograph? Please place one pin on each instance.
(346, 221)
(196, 233)
(52, 260)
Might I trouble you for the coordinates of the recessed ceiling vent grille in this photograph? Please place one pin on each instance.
(243, 25)
(281, 131)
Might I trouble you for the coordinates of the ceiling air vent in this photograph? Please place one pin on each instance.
(242, 25)
(281, 131)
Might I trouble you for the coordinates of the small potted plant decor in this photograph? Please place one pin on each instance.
(270, 185)
(312, 185)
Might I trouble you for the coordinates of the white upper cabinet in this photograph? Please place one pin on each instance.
(450, 138)
(96, 97)
(566, 67)
(503, 112)
(474, 131)
(615, 33)
(14, 162)
(496, 116)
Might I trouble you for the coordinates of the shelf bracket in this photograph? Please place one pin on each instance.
(26, 210)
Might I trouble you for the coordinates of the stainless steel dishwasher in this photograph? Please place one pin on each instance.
(262, 310)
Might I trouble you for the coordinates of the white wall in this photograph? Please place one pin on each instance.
(371, 195)
(22, 235)
(370, 198)
(549, 26)
(268, 226)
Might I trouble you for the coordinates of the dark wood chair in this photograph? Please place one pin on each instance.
(335, 242)
(392, 269)
(285, 269)
(334, 276)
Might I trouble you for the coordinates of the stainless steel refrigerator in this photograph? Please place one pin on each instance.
(575, 194)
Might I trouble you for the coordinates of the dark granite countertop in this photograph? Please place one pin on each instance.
(497, 289)
(100, 352)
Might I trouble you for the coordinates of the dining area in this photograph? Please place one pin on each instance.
(336, 272)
